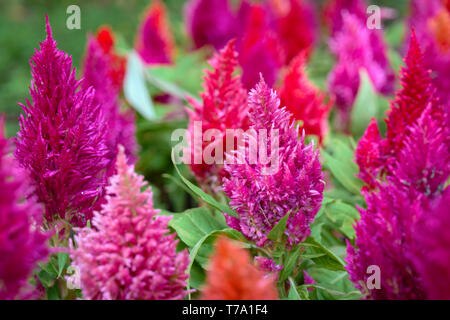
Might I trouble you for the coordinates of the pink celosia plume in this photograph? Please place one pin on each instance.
(356, 47)
(128, 254)
(261, 195)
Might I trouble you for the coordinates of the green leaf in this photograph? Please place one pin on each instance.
(62, 260)
(333, 285)
(343, 171)
(193, 224)
(182, 78)
(291, 263)
(53, 292)
(166, 86)
(203, 195)
(343, 214)
(135, 88)
(324, 257)
(365, 107)
(45, 278)
(278, 230)
(293, 293)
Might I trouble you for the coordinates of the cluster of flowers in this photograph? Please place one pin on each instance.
(75, 151)
(403, 230)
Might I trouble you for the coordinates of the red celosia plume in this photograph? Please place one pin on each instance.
(224, 106)
(304, 100)
(117, 63)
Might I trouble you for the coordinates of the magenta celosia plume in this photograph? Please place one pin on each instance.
(303, 100)
(386, 235)
(333, 10)
(356, 47)
(224, 106)
(22, 243)
(433, 257)
(128, 254)
(211, 22)
(260, 196)
(154, 40)
(415, 162)
(61, 142)
(120, 124)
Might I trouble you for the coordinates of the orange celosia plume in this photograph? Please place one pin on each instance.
(440, 27)
(232, 276)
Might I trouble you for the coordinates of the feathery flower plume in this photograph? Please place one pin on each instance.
(355, 47)
(120, 124)
(22, 244)
(267, 265)
(304, 100)
(232, 276)
(386, 235)
(297, 26)
(117, 63)
(433, 258)
(385, 238)
(423, 165)
(374, 154)
(155, 42)
(262, 199)
(61, 142)
(129, 255)
(210, 22)
(411, 100)
(260, 49)
(370, 156)
(332, 13)
(224, 106)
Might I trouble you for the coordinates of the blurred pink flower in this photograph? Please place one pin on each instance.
(128, 254)
(22, 242)
(120, 124)
(211, 22)
(155, 42)
(356, 47)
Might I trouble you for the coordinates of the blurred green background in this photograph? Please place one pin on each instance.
(22, 27)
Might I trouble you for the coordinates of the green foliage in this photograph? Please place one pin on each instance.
(135, 88)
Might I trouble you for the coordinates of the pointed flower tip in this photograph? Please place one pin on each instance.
(105, 37)
(121, 162)
(48, 28)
